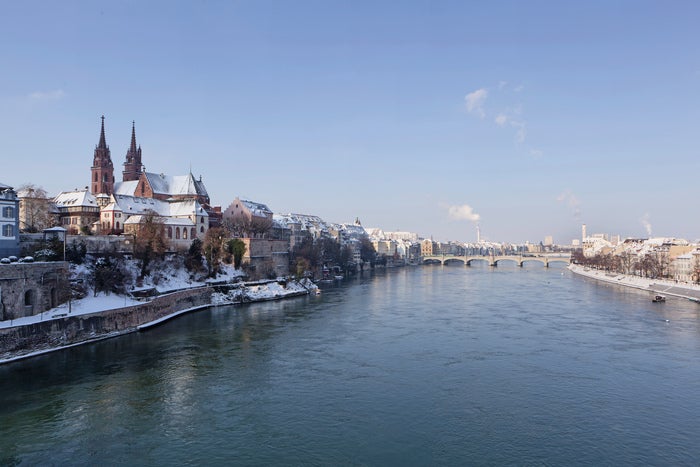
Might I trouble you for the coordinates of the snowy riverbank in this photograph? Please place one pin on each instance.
(666, 287)
(46, 332)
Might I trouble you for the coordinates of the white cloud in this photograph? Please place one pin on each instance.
(475, 101)
(502, 84)
(511, 117)
(572, 201)
(519, 88)
(536, 153)
(520, 132)
(43, 96)
(463, 212)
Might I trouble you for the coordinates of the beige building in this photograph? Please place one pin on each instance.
(245, 218)
(428, 247)
(267, 257)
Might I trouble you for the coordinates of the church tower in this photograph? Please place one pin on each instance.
(132, 167)
(102, 169)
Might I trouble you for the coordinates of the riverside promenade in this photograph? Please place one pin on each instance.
(666, 287)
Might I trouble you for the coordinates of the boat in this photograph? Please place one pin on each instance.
(658, 298)
(693, 299)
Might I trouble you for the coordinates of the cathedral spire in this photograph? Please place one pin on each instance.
(133, 166)
(103, 143)
(133, 136)
(102, 170)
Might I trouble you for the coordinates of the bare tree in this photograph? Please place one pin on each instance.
(696, 268)
(242, 226)
(35, 208)
(149, 242)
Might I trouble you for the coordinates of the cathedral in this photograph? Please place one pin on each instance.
(180, 201)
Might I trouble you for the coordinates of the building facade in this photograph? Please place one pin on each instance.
(77, 211)
(9, 221)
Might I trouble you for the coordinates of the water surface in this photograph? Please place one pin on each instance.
(421, 366)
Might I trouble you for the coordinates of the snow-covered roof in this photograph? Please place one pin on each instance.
(175, 185)
(4, 187)
(111, 207)
(126, 188)
(303, 222)
(134, 205)
(354, 229)
(257, 209)
(75, 198)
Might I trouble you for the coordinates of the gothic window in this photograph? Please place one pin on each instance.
(184, 233)
(201, 229)
(170, 232)
(177, 233)
(201, 220)
(143, 189)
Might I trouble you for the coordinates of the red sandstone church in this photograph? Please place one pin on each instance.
(181, 202)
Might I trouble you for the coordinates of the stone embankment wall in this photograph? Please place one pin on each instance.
(28, 289)
(45, 335)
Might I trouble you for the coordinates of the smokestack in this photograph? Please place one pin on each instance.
(583, 232)
(478, 234)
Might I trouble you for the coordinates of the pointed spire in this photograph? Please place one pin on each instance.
(133, 136)
(103, 143)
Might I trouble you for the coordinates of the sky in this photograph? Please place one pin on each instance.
(526, 118)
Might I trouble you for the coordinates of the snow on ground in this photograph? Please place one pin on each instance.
(679, 289)
(166, 276)
(260, 292)
(83, 306)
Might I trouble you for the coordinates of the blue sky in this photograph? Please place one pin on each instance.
(529, 118)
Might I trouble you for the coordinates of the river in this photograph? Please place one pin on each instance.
(436, 365)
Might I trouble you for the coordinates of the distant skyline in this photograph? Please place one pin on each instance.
(528, 118)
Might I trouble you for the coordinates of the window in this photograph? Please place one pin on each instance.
(177, 233)
(184, 233)
(201, 229)
(194, 233)
(8, 230)
(117, 225)
(28, 298)
(170, 232)
(95, 177)
(201, 220)
(8, 212)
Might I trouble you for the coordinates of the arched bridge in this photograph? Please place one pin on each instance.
(493, 260)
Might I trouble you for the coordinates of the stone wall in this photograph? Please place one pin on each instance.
(28, 289)
(262, 250)
(95, 244)
(70, 330)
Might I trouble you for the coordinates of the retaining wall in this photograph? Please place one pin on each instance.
(23, 340)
